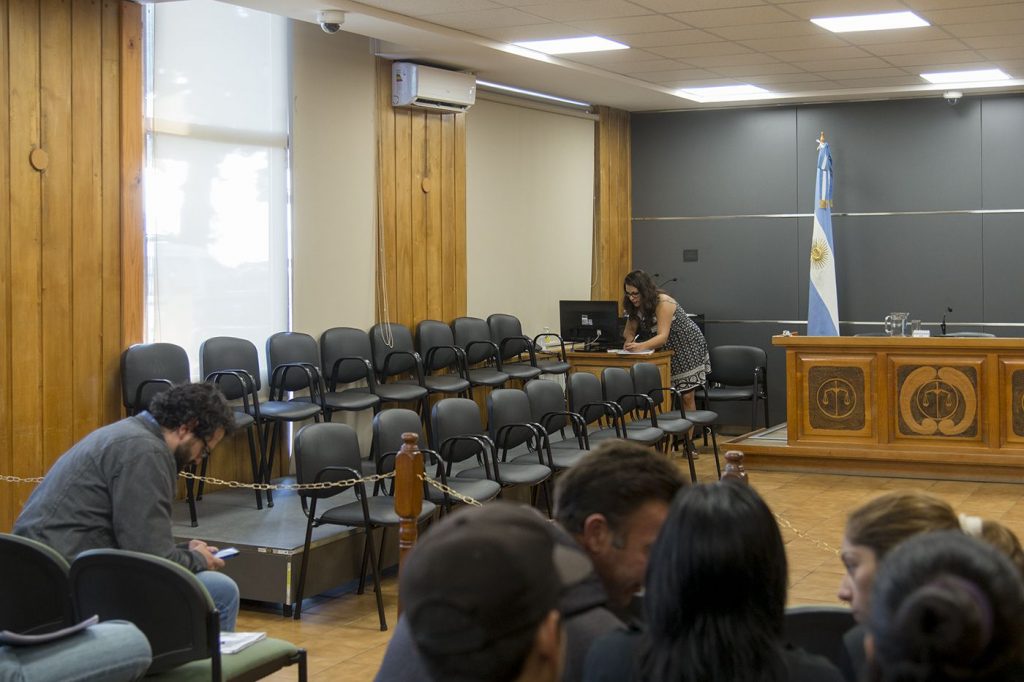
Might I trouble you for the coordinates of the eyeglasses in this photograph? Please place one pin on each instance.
(205, 452)
(633, 294)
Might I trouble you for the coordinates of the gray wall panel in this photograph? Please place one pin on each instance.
(746, 268)
(1004, 276)
(914, 155)
(716, 163)
(1002, 148)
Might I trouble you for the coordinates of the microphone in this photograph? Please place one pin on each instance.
(667, 281)
(942, 327)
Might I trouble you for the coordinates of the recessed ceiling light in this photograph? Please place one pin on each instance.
(530, 93)
(572, 45)
(966, 78)
(871, 22)
(724, 93)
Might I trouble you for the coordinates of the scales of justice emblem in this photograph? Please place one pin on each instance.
(836, 398)
(938, 400)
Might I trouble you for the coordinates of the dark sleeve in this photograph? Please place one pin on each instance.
(805, 667)
(613, 658)
(852, 659)
(141, 492)
(402, 662)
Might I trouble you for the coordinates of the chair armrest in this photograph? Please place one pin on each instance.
(495, 353)
(371, 380)
(561, 343)
(417, 361)
(460, 359)
(529, 347)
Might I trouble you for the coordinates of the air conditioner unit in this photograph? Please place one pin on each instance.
(415, 85)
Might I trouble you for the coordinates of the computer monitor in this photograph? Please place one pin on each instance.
(596, 322)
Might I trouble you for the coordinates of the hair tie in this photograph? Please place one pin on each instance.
(971, 525)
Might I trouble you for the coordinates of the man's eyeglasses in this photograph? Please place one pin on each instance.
(205, 452)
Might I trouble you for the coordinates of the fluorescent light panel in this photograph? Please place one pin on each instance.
(966, 78)
(530, 93)
(871, 22)
(724, 93)
(572, 45)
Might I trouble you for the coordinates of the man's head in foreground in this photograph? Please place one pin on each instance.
(481, 591)
(614, 502)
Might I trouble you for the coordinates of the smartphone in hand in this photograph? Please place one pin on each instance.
(226, 553)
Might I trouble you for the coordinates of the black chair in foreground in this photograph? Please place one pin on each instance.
(175, 612)
(739, 373)
(148, 369)
(326, 453)
(818, 630)
(34, 593)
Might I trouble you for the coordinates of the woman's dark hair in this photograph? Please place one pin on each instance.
(201, 407)
(648, 296)
(889, 519)
(947, 606)
(716, 589)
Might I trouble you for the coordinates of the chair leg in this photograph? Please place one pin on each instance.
(297, 611)
(300, 658)
(202, 475)
(714, 442)
(253, 461)
(380, 552)
(190, 497)
(376, 580)
(765, 401)
(269, 468)
(688, 448)
(367, 551)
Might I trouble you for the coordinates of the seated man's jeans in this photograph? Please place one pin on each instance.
(224, 592)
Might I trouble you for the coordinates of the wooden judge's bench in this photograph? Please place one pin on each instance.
(932, 407)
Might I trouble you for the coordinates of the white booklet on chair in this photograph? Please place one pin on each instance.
(233, 642)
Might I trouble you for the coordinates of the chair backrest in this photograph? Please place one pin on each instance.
(546, 397)
(340, 342)
(474, 335)
(585, 388)
(617, 384)
(34, 592)
(388, 427)
(326, 444)
(735, 365)
(162, 598)
(455, 417)
(508, 406)
(291, 347)
(504, 326)
(151, 368)
(401, 340)
(228, 353)
(647, 380)
(431, 334)
(818, 629)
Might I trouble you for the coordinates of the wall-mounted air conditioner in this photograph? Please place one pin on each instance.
(415, 85)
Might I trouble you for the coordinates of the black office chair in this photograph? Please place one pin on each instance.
(34, 593)
(483, 358)
(818, 629)
(388, 427)
(329, 452)
(175, 612)
(393, 355)
(617, 386)
(739, 373)
(148, 369)
(445, 383)
(456, 427)
(507, 332)
(586, 399)
(345, 355)
(548, 409)
(647, 380)
(512, 426)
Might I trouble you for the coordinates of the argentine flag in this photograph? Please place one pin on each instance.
(822, 304)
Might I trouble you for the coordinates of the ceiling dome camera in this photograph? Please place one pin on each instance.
(330, 20)
(952, 96)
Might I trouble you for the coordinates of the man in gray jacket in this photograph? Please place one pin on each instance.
(114, 488)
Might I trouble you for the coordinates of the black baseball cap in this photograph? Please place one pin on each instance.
(483, 575)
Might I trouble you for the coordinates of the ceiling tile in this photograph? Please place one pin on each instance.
(663, 38)
(647, 66)
(770, 30)
(983, 42)
(882, 82)
(838, 8)
(974, 15)
(825, 54)
(490, 18)
(699, 50)
(515, 34)
(417, 8)
(733, 17)
(963, 57)
(1000, 53)
(675, 76)
(948, 45)
(582, 10)
(768, 80)
(610, 57)
(842, 64)
(667, 6)
(882, 72)
(732, 60)
(771, 68)
(652, 23)
(994, 28)
(902, 35)
(945, 4)
(793, 43)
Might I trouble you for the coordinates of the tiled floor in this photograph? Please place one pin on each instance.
(341, 633)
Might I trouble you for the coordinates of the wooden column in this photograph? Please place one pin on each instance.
(408, 497)
(613, 229)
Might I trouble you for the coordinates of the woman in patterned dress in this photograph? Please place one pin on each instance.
(656, 322)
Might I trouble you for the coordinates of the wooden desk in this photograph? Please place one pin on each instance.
(595, 362)
(930, 406)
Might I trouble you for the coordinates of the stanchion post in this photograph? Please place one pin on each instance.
(408, 496)
(734, 467)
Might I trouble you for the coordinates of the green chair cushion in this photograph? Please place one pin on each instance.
(251, 663)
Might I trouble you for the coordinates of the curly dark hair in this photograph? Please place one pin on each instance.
(201, 407)
(649, 294)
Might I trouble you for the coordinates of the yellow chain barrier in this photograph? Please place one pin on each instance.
(19, 479)
(465, 499)
(373, 478)
(820, 544)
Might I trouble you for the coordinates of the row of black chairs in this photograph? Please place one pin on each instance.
(41, 593)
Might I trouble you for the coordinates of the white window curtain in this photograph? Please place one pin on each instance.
(217, 251)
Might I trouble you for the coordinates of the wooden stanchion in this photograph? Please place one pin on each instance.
(408, 497)
(734, 467)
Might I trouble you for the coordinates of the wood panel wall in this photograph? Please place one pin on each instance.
(70, 224)
(613, 231)
(421, 190)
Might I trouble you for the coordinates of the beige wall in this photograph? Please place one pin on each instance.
(529, 208)
(333, 161)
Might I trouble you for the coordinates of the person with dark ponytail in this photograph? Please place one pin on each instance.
(715, 600)
(946, 607)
